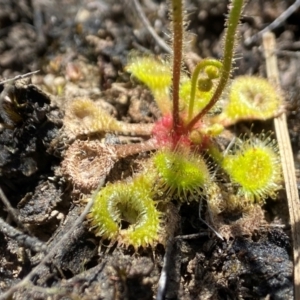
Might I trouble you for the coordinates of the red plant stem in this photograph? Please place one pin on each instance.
(177, 58)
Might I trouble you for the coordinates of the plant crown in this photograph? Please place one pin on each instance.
(186, 139)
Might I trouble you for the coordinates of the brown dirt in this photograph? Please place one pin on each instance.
(81, 48)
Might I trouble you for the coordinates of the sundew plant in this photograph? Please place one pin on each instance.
(185, 154)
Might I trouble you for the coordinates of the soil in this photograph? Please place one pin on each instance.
(81, 49)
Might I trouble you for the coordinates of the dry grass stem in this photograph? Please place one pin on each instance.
(150, 29)
(276, 23)
(287, 160)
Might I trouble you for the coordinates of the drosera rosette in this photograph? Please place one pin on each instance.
(125, 212)
(254, 167)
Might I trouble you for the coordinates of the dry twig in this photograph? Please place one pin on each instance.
(18, 77)
(163, 279)
(12, 212)
(22, 239)
(287, 160)
(27, 280)
(150, 29)
(276, 23)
